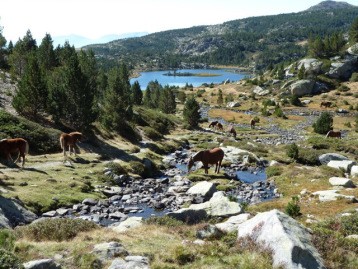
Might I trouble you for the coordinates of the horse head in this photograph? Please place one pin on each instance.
(77, 136)
(189, 165)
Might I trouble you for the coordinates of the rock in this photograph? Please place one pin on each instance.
(209, 231)
(13, 213)
(354, 171)
(41, 264)
(306, 102)
(302, 87)
(232, 223)
(118, 215)
(204, 188)
(311, 64)
(90, 201)
(187, 215)
(353, 50)
(233, 104)
(352, 236)
(341, 181)
(219, 206)
(342, 69)
(326, 158)
(260, 91)
(109, 250)
(332, 195)
(346, 165)
(130, 262)
(287, 238)
(128, 224)
(61, 211)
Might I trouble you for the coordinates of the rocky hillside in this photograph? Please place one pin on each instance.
(328, 5)
(265, 39)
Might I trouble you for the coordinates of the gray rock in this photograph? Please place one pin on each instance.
(302, 87)
(190, 216)
(210, 231)
(109, 250)
(352, 236)
(288, 239)
(14, 212)
(204, 188)
(124, 264)
(342, 181)
(346, 165)
(326, 158)
(354, 170)
(232, 223)
(343, 69)
(233, 104)
(90, 201)
(128, 224)
(332, 195)
(41, 264)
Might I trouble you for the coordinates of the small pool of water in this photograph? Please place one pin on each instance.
(251, 177)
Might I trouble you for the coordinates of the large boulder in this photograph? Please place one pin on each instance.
(345, 165)
(106, 251)
(260, 91)
(130, 262)
(326, 158)
(288, 239)
(13, 213)
(354, 170)
(344, 68)
(302, 87)
(219, 205)
(342, 182)
(188, 215)
(353, 50)
(204, 188)
(311, 64)
(128, 224)
(41, 264)
(332, 195)
(233, 104)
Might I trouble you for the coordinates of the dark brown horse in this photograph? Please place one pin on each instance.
(231, 130)
(332, 133)
(219, 126)
(70, 141)
(213, 156)
(13, 145)
(252, 123)
(213, 124)
(325, 104)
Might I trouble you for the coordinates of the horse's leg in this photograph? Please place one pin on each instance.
(219, 165)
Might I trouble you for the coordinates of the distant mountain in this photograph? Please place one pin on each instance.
(324, 5)
(80, 41)
(251, 42)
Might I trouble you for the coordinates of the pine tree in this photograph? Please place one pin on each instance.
(167, 100)
(137, 94)
(32, 92)
(191, 112)
(323, 124)
(302, 72)
(353, 32)
(3, 53)
(220, 98)
(46, 54)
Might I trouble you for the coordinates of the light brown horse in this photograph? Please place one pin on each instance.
(231, 130)
(325, 104)
(252, 123)
(332, 133)
(213, 124)
(213, 156)
(70, 141)
(12, 145)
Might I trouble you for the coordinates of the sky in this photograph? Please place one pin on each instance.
(96, 18)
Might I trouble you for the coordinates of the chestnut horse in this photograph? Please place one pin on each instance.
(213, 124)
(252, 123)
(332, 133)
(70, 141)
(12, 145)
(325, 104)
(231, 130)
(213, 156)
(219, 126)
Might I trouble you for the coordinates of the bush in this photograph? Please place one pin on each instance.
(256, 119)
(272, 171)
(293, 209)
(279, 113)
(323, 124)
(9, 260)
(295, 101)
(265, 112)
(140, 169)
(354, 77)
(164, 221)
(55, 229)
(268, 102)
(151, 133)
(117, 168)
(292, 151)
(343, 88)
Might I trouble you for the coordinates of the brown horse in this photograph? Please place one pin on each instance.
(231, 130)
(12, 145)
(219, 126)
(213, 156)
(332, 133)
(70, 141)
(252, 123)
(325, 104)
(213, 124)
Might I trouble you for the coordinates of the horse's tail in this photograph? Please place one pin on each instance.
(26, 147)
(62, 142)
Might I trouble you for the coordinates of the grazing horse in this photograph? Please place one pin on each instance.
(252, 124)
(231, 130)
(332, 133)
(213, 156)
(219, 126)
(12, 145)
(325, 104)
(213, 124)
(70, 141)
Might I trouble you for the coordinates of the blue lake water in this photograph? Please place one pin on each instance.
(180, 81)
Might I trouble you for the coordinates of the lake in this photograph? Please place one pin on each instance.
(180, 81)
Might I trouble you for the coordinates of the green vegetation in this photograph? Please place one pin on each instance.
(293, 209)
(324, 123)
